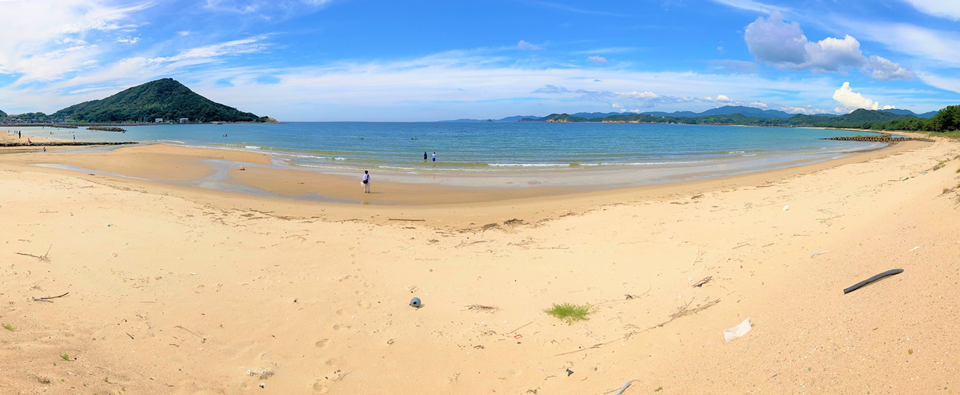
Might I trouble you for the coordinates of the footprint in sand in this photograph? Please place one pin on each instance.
(359, 292)
(320, 387)
(322, 343)
(338, 327)
(363, 304)
(340, 312)
(333, 362)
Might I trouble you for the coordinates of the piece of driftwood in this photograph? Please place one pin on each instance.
(47, 298)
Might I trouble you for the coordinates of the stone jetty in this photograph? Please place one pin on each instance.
(881, 138)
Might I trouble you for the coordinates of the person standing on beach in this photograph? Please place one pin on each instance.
(424, 156)
(366, 181)
(434, 156)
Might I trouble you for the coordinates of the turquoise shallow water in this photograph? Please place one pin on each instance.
(491, 147)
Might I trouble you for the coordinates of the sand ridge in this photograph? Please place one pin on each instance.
(179, 291)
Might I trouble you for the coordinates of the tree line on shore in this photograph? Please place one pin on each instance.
(947, 119)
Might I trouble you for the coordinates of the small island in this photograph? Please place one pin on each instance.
(162, 101)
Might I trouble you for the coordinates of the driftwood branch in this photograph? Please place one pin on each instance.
(43, 258)
(47, 298)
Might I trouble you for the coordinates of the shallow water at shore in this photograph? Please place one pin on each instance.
(490, 147)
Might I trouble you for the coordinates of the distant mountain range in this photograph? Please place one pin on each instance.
(725, 110)
(945, 120)
(164, 99)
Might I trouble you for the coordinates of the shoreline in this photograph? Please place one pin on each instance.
(172, 169)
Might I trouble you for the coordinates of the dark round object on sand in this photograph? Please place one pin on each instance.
(415, 302)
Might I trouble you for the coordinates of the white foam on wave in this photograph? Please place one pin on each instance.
(251, 147)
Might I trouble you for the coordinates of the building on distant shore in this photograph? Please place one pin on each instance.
(158, 120)
(184, 120)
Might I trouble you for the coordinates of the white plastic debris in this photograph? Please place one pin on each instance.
(738, 331)
(787, 207)
(913, 249)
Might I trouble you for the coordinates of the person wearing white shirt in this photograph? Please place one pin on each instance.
(366, 181)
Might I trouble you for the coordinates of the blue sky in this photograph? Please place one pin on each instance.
(422, 60)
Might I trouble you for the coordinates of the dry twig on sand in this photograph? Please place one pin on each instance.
(524, 325)
(699, 256)
(202, 339)
(47, 298)
(702, 282)
(681, 312)
(42, 258)
(480, 307)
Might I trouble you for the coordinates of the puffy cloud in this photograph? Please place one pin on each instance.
(783, 45)
(774, 41)
(886, 70)
(597, 59)
(525, 46)
(638, 95)
(758, 104)
(722, 98)
(941, 8)
(850, 100)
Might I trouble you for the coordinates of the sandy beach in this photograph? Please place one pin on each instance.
(173, 289)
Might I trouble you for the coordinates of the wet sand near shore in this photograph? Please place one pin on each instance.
(181, 290)
(186, 166)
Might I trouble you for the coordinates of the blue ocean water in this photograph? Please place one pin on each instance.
(468, 147)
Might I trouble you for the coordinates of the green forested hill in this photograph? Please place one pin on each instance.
(2, 114)
(164, 98)
(947, 119)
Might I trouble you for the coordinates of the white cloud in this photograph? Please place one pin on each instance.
(722, 98)
(774, 41)
(850, 100)
(128, 40)
(525, 46)
(941, 47)
(751, 5)
(784, 46)
(597, 59)
(885, 70)
(758, 104)
(209, 52)
(183, 33)
(937, 81)
(941, 8)
(638, 95)
(60, 29)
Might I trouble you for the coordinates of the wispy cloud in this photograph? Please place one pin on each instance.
(564, 7)
(525, 46)
(755, 6)
(597, 59)
(605, 51)
(43, 41)
(939, 8)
